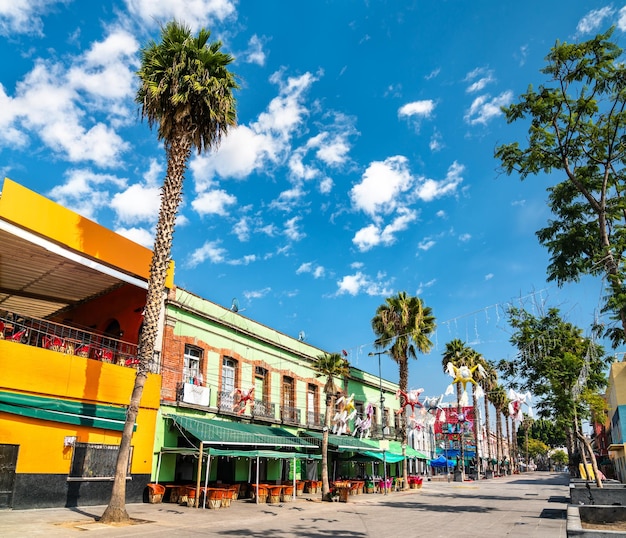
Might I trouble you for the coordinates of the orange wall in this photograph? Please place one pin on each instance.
(125, 304)
(36, 371)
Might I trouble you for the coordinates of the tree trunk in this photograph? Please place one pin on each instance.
(404, 380)
(592, 457)
(325, 481)
(177, 156)
(476, 432)
(488, 432)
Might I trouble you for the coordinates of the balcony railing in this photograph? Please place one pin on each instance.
(290, 415)
(263, 409)
(69, 340)
(315, 419)
(226, 402)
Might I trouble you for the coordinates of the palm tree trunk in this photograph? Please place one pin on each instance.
(476, 432)
(325, 481)
(178, 154)
(509, 439)
(403, 384)
(498, 439)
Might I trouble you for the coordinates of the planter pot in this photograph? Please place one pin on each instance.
(595, 515)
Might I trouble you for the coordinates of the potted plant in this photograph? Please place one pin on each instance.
(415, 482)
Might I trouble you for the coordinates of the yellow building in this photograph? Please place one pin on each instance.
(616, 398)
(72, 295)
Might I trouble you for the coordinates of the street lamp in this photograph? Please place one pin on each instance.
(382, 397)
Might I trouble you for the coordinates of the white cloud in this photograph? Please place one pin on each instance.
(372, 235)
(215, 202)
(426, 244)
(621, 19)
(367, 237)
(256, 294)
(479, 78)
(326, 185)
(484, 108)
(209, 251)
(85, 192)
(242, 229)
(24, 16)
(489, 276)
(138, 235)
(195, 13)
(429, 189)
(464, 238)
(140, 202)
(381, 185)
(247, 149)
(254, 54)
(291, 229)
(361, 283)
(594, 20)
(425, 285)
(316, 270)
(422, 109)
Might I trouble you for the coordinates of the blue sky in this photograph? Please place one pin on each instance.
(362, 164)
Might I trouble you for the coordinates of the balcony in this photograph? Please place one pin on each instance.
(194, 394)
(70, 340)
(226, 402)
(263, 409)
(290, 415)
(315, 420)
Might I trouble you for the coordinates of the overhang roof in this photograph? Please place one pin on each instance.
(52, 258)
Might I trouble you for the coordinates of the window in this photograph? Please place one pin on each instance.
(191, 366)
(312, 404)
(95, 461)
(260, 384)
(288, 386)
(229, 367)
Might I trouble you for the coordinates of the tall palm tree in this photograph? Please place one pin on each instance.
(488, 382)
(186, 90)
(499, 400)
(476, 359)
(458, 354)
(331, 366)
(404, 323)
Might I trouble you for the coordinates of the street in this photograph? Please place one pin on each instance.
(531, 504)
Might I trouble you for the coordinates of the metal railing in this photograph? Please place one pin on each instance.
(290, 415)
(68, 339)
(315, 419)
(263, 409)
(226, 402)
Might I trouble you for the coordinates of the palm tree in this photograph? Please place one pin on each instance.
(405, 323)
(488, 383)
(187, 90)
(458, 354)
(475, 359)
(330, 366)
(499, 400)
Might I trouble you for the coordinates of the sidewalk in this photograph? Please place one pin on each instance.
(531, 504)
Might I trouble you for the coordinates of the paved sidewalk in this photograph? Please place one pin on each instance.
(531, 504)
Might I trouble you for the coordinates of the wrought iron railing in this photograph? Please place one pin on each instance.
(69, 340)
(290, 415)
(314, 419)
(263, 409)
(226, 401)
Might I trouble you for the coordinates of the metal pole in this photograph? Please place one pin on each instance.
(382, 397)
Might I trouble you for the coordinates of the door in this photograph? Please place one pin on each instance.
(8, 463)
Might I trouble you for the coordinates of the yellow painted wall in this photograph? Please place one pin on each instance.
(58, 224)
(616, 394)
(40, 372)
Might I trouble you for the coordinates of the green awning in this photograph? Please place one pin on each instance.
(341, 443)
(395, 447)
(77, 413)
(221, 432)
(262, 454)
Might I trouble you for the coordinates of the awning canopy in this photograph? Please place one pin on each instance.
(221, 432)
(395, 447)
(107, 417)
(234, 453)
(340, 443)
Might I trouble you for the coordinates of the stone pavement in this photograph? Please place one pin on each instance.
(530, 504)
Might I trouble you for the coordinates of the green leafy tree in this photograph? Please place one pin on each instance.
(559, 366)
(577, 123)
(331, 366)
(404, 324)
(559, 457)
(186, 90)
(500, 400)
